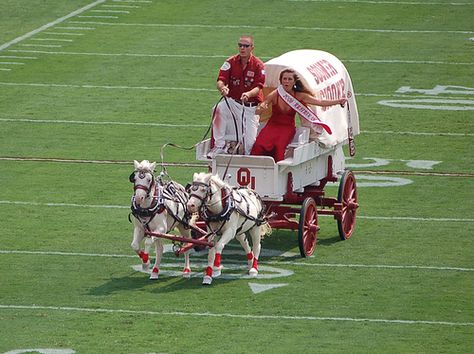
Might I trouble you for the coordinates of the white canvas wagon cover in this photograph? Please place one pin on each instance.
(328, 78)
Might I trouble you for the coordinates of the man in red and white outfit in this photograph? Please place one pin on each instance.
(240, 82)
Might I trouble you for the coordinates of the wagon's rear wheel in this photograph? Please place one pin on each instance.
(308, 227)
(347, 195)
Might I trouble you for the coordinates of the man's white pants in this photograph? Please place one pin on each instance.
(228, 117)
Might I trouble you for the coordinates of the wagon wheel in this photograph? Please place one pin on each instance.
(308, 227)
(347, 195)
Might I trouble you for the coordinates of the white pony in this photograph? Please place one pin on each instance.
(158, 208)
(229, 212)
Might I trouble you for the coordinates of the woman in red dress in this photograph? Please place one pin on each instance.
(280, 128)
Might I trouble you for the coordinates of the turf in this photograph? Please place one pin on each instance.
(73, 119)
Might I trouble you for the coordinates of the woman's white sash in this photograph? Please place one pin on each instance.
(302, 110)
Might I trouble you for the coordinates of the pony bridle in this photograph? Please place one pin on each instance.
(141, 175)
(195, 186)
(157, 205)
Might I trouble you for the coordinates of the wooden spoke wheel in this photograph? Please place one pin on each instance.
(347, 195)
(308, 227)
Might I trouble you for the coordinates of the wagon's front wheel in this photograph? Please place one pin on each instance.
(347, 196)
(308, 227)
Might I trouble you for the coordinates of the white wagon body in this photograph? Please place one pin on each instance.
(312, 159)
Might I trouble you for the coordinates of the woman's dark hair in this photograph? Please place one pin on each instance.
(299, 86)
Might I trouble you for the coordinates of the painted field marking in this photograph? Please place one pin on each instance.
(51, 24)
(332, 29)
(41, 45)
(5, 69)
(16, 57)
(263, 262)
(94, 17)
(174, 125)
(432, 104)
(51, 39)
(74, 205)
(379, 2)
(75, 28)
(233, 315)
(64, 34)
(105, 86)
(73, 122)
(259, 288)
(112, 11)
(42, 351)
(376, 61)
(265, 272)
(110, 87)
(410, 163)
(10, 63)
(132, 1)
(122, 6)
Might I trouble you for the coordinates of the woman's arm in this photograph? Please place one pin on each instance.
(306, 98)
(264, 105)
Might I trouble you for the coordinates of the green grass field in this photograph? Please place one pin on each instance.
(87, 87)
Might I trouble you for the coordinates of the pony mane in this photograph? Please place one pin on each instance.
(218, 182)
(144, 166)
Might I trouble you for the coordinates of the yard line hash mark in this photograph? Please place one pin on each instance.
(51, 24)
(231, 315)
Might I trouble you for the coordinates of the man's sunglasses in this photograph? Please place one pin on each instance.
(243, 45)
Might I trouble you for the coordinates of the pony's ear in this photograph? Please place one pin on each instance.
(136, 164)
(152, 166)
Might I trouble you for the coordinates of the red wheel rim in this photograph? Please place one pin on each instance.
(348, 198)
(308, 229)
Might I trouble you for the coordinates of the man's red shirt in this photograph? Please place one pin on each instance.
(241, 80)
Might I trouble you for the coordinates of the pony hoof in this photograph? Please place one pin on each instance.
(253, 272)
(187, 273)
(146, 266)
(154, 274)
(207, 280)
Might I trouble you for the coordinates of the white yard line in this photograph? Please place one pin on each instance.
(278, 262)
(391, 132)
(51, 24)
(224, 56)
(332, 29)
(5, 69)
(379, 2)
(195, 89)
(108, 87)
(81, 122)
(173, 125)
(74, 205)
(232, 315)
